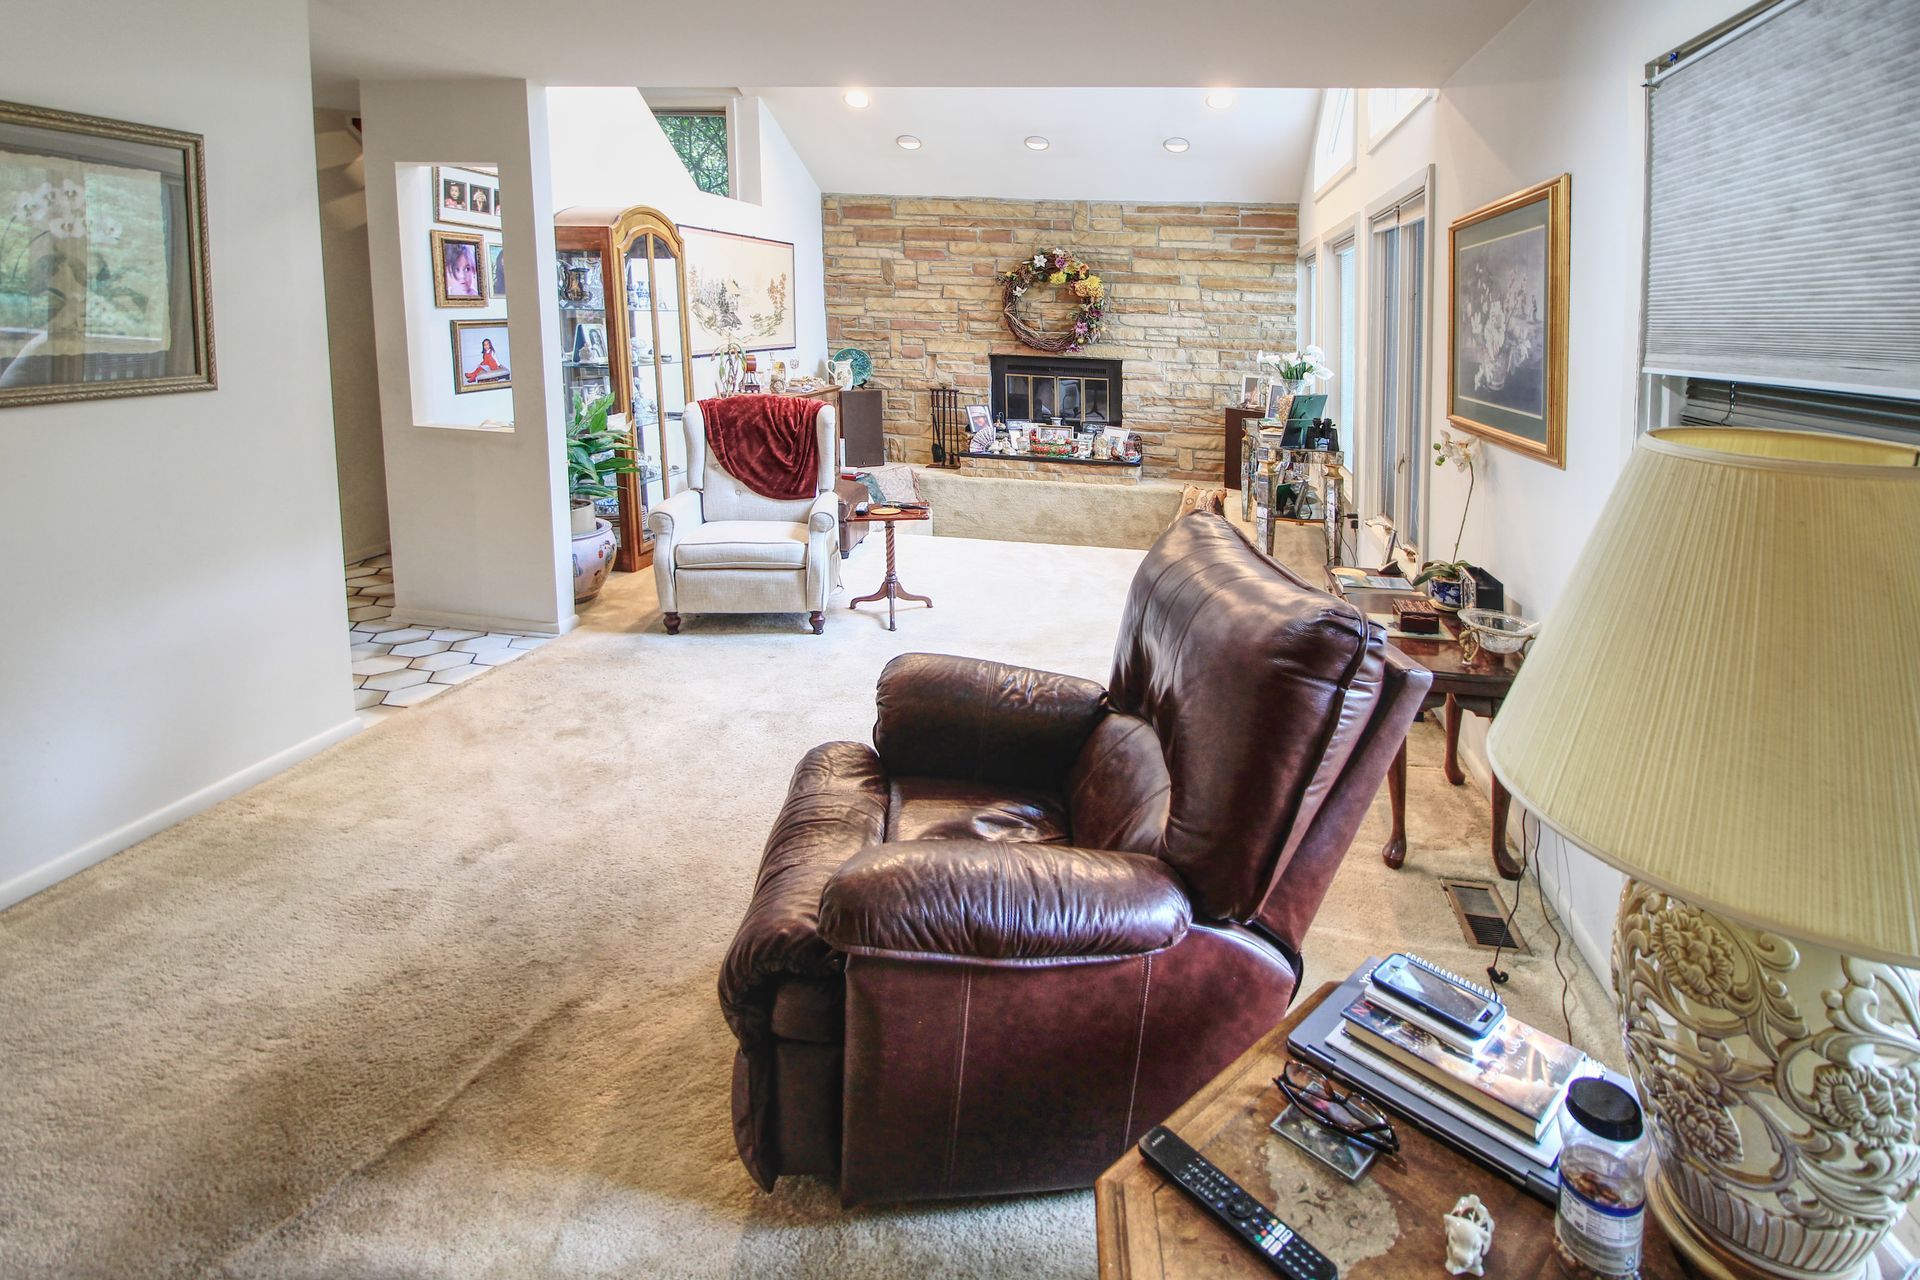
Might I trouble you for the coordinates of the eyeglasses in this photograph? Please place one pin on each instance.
(1337, 1107)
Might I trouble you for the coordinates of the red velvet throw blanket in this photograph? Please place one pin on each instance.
(767, 443)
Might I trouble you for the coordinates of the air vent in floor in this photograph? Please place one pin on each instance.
(1482, 915)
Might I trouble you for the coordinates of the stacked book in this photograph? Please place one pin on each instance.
(1495, 1098)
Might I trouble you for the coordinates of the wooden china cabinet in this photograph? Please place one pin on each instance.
(623, 308)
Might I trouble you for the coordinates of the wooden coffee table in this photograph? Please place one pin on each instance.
(1385, 1225)
(890, 588)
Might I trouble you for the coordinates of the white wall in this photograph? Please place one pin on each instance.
(478, 517)
(1558, 90)
(175, 628)
(356, 395)
(607, 150)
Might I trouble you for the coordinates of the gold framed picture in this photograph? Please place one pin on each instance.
(104, 286)
(459, 269)
(481, 361)
(1507, 327)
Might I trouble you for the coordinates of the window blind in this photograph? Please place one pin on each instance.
(1713, 402)
(1784, 171)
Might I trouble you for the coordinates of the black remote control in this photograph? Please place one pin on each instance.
(1283, 1248)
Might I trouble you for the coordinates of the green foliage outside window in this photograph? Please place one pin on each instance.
(701, 140)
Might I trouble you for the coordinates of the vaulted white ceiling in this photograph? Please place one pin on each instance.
(1146, 43)
(1103, 143)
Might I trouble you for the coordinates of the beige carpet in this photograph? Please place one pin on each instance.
(440, 1002)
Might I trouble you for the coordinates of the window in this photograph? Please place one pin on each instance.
(1347, 353)
(1796, 267)
(1309, 303)
(700, 138)
(1397, 362)
(1333, 143)
(1386, 108)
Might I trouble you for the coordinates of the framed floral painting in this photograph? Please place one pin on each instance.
(104, 287)
(739, 289)
(1507, 349)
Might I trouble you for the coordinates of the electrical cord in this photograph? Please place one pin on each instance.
(1530, 861)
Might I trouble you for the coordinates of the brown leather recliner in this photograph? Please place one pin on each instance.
(990, 952)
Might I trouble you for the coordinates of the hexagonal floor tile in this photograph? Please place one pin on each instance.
(414, 695)
(379, 666)
(450, 634)
(397, 680)
(406, 635)
(367, 612)
(530, 642)
(481, 644)
(439, 661)
(498, 657)
(367, 649)
(364, 698)
(457, 675)
(420, 648)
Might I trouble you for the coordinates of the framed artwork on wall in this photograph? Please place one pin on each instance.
(480, 356)
(466, 197)
(459, 278)
(739, 289)
(1507, 330)
(104, 287)
(496, 269)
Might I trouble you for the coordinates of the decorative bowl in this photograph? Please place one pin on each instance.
(1499, 632)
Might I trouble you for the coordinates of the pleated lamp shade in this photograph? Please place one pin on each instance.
(1725, 703)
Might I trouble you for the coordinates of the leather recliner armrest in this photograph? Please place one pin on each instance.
(966, 718)
(1001, 902)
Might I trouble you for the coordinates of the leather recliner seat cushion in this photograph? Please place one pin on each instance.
(949, 809)
(742, 544)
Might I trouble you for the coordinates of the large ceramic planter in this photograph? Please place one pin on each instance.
(592, 560)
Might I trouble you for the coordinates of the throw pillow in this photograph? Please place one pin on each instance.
(1193, 498)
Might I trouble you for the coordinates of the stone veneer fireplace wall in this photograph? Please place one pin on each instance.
(1195, 289)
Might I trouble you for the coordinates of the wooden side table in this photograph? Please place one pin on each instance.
(1149, 1228)
(890, 588)
(1478, 685)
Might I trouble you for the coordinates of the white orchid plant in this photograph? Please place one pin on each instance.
(1295, 366)
(1461, 452)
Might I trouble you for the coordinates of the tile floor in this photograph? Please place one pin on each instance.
(399, 667)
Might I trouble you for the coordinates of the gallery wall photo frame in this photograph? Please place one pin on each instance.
(1509, 264)
(482, 359)
(739, 289)
(466, 197)
(105, 289)
(459, 269)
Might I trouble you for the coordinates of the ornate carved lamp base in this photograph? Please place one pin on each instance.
(1781, 1082)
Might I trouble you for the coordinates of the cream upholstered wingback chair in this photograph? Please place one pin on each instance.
(719, 547)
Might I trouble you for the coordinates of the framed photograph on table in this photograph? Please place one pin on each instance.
(480, 356)
(104, 289)
(1507, 336)
(466, 197)
(739, 289)
(1250, 391)
(459, 278)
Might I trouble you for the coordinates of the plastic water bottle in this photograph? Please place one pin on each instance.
(1601, 1220)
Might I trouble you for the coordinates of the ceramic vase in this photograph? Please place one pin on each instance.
(592, 560)
(1781, 1080)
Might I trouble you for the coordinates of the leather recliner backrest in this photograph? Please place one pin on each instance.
(1251, 687)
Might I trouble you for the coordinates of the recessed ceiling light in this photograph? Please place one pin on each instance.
(1037, 143)
(908, 142)
(1220, 99)
(1176, 145)
(857, 98)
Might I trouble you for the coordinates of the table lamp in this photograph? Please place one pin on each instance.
(1725, 705)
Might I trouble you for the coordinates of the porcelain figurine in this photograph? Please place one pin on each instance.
(1469, 1236)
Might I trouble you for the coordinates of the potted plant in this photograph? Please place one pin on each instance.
(1450, 583)
(596, 453)
(1293, 368)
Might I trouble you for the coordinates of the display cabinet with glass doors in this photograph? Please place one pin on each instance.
(623, 317)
